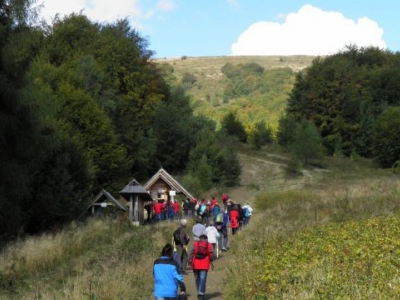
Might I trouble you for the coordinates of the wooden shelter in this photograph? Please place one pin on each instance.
(136, 195)
(163, 187)
(105, 204)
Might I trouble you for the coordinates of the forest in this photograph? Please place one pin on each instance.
(83, 108)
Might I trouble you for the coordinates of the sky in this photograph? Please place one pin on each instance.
(193, 28)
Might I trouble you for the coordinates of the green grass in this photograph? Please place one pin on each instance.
(336, 238)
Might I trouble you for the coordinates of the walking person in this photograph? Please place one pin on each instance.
(166, 276)
(181, 240)
(201, 262)
(234, 219)
(221, 224)
(197, 230)
(247, 211)
(212, 237)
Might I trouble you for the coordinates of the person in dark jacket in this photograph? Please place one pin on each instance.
(222, 227)
(166, 276)
(182, 244)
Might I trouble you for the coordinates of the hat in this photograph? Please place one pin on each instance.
(183, 222)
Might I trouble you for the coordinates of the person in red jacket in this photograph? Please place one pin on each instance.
(234, 219)
(201, 261)
(157, 211)
(176, 209)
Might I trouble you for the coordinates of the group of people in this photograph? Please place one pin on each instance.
(210, 238)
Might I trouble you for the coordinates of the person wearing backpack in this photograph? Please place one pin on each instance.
(212, 236)
(234, 219)
(221, 224)
(181, 241)
(201, 262)
(166, 276)
(247, 210)
(215, 211)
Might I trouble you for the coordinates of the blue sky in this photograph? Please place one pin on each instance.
(175, 28)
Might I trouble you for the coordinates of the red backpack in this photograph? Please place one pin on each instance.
(201, 251)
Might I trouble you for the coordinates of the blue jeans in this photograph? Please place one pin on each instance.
(223, 240)
(201, 279)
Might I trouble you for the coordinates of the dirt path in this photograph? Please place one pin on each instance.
(214, 279)
(258, 174)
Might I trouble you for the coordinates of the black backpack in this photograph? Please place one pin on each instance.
(177, 236)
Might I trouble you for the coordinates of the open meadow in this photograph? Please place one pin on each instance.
(331, 233)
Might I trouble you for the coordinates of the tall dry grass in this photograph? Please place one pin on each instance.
(102, 259)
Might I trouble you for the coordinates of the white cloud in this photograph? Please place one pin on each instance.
(310, 31)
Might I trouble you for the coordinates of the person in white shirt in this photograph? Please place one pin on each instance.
(247, 211)
(212, 235)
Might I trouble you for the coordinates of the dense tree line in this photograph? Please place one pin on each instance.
(353, 99)
(82, 107)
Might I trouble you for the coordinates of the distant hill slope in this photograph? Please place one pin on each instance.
(266, 101)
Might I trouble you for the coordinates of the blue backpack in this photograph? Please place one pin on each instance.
(246, 212)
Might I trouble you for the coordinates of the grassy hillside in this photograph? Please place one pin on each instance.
(267, 103)
(331, 233)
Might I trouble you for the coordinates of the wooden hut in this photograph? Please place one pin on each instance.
(163, 187)
(137, 196)
(105, 204)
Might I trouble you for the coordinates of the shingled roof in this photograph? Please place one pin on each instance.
(134, 188)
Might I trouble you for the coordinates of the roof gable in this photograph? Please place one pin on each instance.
(168, 179)
(134, 188)
(106, 195)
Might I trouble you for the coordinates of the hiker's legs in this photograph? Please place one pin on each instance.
(201, 288)
(184, 258)
(180, 250)
(220, 241)
(226, 241)
(214, 248)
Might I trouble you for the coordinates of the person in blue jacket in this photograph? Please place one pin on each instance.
(166, 276)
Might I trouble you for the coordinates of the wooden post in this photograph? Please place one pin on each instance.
(136, 211)
(131, 208)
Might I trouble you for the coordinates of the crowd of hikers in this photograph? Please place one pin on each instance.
(196, 250)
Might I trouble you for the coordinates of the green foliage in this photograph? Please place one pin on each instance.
(343, 94)
(217, 152)
(175, 131)
(306, 142)
(188, 79)
(261, 135)
(333, 261)
(387, 137)
(285, 135)
(203, 172)
(233, 127)
(244, 79)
